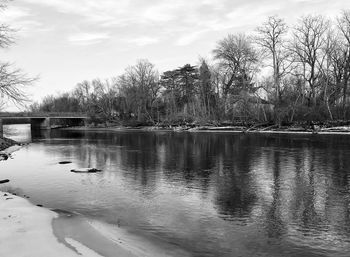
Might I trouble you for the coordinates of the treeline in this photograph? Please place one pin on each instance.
(277, 73)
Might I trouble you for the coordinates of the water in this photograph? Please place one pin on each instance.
(208, 194)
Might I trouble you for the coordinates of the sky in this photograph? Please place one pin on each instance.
(67, 41)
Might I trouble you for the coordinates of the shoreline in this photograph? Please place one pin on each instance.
(28, 226)
(344, 130)
(6, 143)
(44, 232)
(7, 147)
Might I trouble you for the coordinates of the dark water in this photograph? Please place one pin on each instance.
(209, 194)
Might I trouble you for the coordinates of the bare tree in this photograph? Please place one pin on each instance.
(237, 56)
(6, 32)
(12, 80)
(205, 88)
(82, 93)
(271, 39)
(344, 27)
(308, 43)
(140, 86)
(12, 83)
(105, 95)
(237, 65)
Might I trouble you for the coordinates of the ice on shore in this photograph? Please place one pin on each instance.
(26, 231)
(31, 231)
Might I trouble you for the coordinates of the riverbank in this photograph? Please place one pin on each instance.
(6, 143)
(7, 146)
(29, 230)
(273, 129)
(26, 231)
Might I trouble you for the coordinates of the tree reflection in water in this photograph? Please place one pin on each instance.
(281, 190)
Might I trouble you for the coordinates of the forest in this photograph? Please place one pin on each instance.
(277, 73)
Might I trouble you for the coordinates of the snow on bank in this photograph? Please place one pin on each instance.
(26, 231)
(11, 149)
(31, 231)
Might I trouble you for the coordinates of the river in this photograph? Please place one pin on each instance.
(207, 194)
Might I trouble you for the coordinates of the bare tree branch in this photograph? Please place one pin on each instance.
(12, 80)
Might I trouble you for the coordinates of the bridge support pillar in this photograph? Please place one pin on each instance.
(42, 123)
(46, 124)
(1, 129)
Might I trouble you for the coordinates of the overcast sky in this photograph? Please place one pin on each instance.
(67, 41)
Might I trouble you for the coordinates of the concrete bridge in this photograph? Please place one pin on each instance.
(40, 121)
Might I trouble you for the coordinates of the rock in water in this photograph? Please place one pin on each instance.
(3, 156)
(64, 162)
(4, 181)
(86, 170)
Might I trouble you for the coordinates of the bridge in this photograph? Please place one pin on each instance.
(42, 120)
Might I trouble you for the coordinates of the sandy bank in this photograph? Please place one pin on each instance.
(107, 239)
(30, 231)
(27, 231)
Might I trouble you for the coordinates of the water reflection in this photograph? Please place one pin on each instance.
(209, 193)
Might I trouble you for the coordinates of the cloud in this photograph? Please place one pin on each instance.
(13, 14)
(162, 12)
(61, 5)
(22, 20)
(182, 22)
(93, 11)
(110, 12)
(189, 38)
(85, 38)
(143, 41)
(28, 27)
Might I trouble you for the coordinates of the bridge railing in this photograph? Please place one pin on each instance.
(42, 114)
